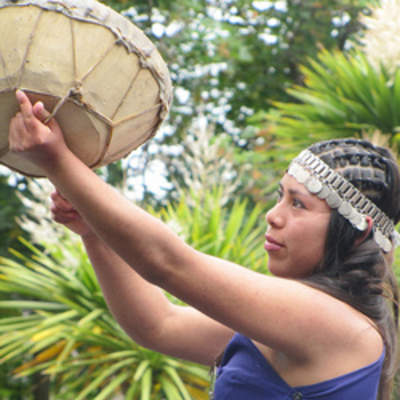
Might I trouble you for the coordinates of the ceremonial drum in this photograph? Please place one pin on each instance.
(94, 70)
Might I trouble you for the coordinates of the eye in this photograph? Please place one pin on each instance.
(297, 203)
(279, 195)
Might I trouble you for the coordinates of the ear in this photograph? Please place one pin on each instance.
(367, 231)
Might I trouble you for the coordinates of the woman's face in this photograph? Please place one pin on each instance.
(297, 230)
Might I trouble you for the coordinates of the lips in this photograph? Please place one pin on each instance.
(271, 244)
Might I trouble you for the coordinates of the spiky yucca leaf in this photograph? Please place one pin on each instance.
(66, 331)
(343, 96)
(235, 233)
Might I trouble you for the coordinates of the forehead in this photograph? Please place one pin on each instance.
(290, 185)
(289, 182)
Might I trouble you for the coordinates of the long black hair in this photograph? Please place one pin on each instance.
(360, 275)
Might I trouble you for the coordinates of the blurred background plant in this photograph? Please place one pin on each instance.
(202, 162)
(380, 40)
(344, 94)
(227, 61)
(65, 331)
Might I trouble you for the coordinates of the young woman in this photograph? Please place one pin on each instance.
(322, 327)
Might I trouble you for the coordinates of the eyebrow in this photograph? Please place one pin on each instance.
(295, 192)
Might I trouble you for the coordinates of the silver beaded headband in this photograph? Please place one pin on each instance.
(340, 194)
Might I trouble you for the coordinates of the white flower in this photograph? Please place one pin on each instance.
(381, 40)
(37, 220)
(203, 163)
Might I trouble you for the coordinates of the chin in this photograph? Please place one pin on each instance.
(278, 272)
(288, 274)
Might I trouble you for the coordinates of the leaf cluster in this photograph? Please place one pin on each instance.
(344, 96)
(233, 233)
(230, 59)
(62, 328)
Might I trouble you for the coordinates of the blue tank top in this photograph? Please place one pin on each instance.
(245, 374)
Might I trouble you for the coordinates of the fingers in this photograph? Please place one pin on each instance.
(24, 103)
(62, 211)
(56, 210)
(29, 111)
(61, 203)
(18, 131)
(25, 106)
(64, 217)
(25, 127)
(32, 115)
(40, 112)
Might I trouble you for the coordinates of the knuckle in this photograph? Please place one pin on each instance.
(30, 123)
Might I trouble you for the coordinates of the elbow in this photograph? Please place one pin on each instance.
(156, 270)
(142, 335)
(167, 265)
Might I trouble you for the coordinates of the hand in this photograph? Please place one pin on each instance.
(65, 214)
(31, 138)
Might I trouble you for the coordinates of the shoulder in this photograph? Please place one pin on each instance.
(335, 339)
(327, 325)
(362, 348)
(342, 329)
(366, 342)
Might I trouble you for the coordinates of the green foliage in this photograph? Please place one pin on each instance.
(62, 328)
(214, 32)
(235, 233)
(343, 96)
(229, 59)
(117, 5)
(14, 389)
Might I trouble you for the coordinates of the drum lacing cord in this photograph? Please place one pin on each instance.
(60, 103)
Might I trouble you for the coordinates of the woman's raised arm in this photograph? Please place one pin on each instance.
(142, 309)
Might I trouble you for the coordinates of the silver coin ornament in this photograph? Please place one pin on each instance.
(313, 185)
(345, 209)
(340, 194)
(333, 200)
(324, 193)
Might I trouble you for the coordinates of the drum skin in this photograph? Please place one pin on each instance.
(95, 71)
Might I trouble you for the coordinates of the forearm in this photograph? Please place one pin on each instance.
(138, 306)
(128, 230)
(132, 233)
(147, 315)
(141, 308)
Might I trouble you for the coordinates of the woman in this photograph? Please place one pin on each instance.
(319, 328)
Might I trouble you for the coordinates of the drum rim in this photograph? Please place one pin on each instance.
(121, 27)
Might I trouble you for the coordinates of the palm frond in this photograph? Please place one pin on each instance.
(344, 96)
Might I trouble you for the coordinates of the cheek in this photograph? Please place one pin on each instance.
(320, 240)
(310, 241)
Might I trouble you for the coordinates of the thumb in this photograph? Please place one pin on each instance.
(40, 112)
(44, 116)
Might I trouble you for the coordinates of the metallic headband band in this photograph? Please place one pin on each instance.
(340, 194)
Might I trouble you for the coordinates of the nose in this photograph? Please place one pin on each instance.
(275, 216)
